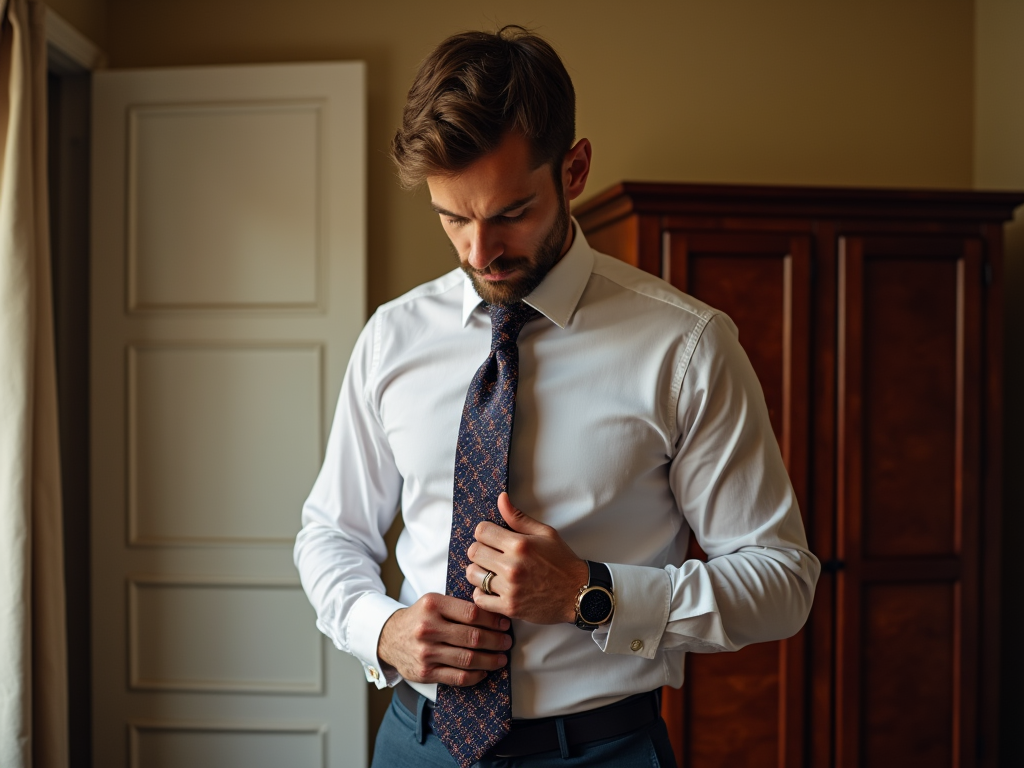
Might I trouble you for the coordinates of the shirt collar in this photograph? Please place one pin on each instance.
(559, 292)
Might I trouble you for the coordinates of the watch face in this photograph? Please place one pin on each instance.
(595, 606)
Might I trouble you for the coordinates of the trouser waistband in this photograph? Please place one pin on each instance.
(548, 734)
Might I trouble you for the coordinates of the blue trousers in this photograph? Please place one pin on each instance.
(403, 740)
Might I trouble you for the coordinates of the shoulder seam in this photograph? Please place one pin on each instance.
(705, 314)
(684, 365)
(375, 353)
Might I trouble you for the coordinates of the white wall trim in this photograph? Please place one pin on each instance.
(68, 50)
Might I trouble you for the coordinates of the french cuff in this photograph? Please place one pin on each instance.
(642, 600)
(365, 621)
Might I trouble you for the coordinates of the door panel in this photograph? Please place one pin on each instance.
(217, 746)
(747, 708)
(228, 284)
(908, 500)
(200, 412)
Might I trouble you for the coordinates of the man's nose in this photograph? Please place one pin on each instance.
(484, 246)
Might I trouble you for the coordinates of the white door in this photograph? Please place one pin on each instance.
(228, 284)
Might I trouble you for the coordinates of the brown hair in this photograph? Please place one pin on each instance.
(472, 90)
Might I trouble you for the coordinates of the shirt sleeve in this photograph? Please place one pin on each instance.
(355, 499)
(732, 488)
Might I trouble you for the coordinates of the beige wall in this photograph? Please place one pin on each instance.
(999, 164)
(861, 92)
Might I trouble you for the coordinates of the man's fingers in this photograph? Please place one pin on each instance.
(485, 601)
(457, 666)
(484, 557)
(463, 658)
(494, 536)
(474, 638)
(468, 613)
(517, 520)
(459, 678)
(442, 639)
(475, 575)
(467, 626)
(519, 524)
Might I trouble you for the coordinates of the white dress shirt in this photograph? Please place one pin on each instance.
(638, 420)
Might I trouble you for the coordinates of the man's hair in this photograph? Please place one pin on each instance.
(475, 88)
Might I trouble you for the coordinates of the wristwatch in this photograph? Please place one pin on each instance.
(595, 602)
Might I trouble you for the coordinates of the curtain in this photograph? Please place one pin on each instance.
(33, 666)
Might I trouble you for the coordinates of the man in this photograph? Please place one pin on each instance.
(638, 419)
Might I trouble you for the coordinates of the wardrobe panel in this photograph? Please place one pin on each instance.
(910, 398)
(732, 702)
(892, 298)
(908, 500)
(762, 282)
(908, 680)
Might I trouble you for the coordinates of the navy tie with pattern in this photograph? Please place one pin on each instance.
(470, 720)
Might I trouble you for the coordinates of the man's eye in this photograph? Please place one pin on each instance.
(455, 222)
(506, 219)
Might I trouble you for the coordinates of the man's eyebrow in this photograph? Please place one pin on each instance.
(438, 209)
(500, 212)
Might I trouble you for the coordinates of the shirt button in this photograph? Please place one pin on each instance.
(636, 645)
(373, 673)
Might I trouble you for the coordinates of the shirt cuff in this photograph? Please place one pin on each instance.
(366, 619)
(642, 600)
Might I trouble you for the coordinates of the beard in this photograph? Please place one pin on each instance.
(531, 271)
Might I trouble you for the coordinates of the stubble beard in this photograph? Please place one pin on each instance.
(531, 271)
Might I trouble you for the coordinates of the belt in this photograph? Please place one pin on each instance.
(529, 737)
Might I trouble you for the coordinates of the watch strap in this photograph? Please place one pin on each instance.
(600, 576)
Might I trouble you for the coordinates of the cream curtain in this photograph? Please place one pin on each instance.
(33, 667)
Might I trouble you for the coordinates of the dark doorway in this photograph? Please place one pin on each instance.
(68, 101)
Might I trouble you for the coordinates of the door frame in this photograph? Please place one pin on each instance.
(71, 59)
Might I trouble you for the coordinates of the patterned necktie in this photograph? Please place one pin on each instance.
(471, 720)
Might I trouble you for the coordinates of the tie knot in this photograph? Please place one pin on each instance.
(507, 320)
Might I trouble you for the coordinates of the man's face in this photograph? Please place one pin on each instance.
(507, 221)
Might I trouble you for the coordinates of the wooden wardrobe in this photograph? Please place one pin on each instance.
(873, 319)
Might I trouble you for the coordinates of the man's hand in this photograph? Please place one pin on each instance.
(442, 639)
(536, 574)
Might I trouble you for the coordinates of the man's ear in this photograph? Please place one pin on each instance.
(576, 169)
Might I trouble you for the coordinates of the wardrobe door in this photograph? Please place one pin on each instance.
(748, 708)
(908, 500)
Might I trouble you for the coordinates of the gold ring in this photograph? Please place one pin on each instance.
(485, 585)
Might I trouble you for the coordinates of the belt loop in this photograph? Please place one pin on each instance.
(563, 743)
(422, 712)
